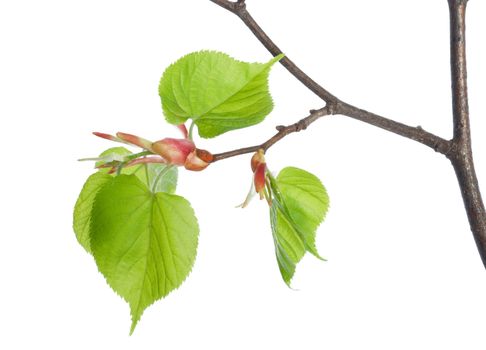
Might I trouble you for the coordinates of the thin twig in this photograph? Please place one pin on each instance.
(282, 132)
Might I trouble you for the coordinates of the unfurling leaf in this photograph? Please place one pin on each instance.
(144, 243)
(299, 205)
(216, 91)
(289, 247)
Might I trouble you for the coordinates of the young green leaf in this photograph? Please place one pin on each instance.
(289, 247)
(144, 243)
(216, 91)
(307, 203)
(299, 205)
(147, 173)
(113, 153)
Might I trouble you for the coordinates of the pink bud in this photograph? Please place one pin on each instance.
(145, 160)
(198, 160)
(108, 137)
(174, 151)
(105, 136)
(135, 140)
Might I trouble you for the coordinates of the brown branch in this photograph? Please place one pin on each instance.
(458, 150)
(282, 132)
(461, 154)
(339, 107)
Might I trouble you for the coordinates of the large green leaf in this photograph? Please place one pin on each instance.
(144, 243)
(299, 205)
(218, 92)
(84, 204)
(147, 173)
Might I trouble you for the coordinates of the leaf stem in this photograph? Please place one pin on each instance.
(137, 155)
(159, 176)
(147, 178)
(191, 128)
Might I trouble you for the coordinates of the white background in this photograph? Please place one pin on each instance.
(402, 272)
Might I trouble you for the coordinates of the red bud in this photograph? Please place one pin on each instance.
(174, 151)
(259, 178)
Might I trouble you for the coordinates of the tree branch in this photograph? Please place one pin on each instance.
(461, 154)
(458, 150)
(339, 107)
(282, 132)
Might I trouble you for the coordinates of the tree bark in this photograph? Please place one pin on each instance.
(461, 154)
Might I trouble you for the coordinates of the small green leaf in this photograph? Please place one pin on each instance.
(144, 243)
(114, 153)
(216, 91)
(84, 204)
(299, 205)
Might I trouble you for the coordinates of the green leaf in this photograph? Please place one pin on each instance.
(147, 173)
(83, 206)
(307, 203)
(114, 153)
(216, 91)
(144, 243)
(289, 247)
(299, 205)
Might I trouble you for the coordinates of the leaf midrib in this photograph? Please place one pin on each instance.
(137, 316)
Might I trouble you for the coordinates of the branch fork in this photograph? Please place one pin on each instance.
(458, 150)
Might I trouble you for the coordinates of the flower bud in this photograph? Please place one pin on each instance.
(259, 167)
(174, 151)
